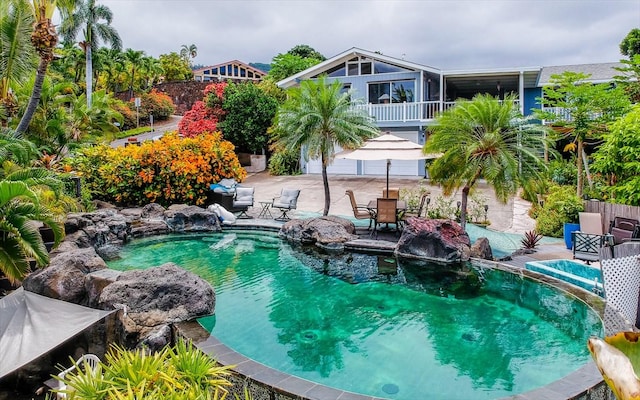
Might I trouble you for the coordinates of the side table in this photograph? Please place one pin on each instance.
(265, 211)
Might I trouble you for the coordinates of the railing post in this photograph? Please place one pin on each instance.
(404, 111)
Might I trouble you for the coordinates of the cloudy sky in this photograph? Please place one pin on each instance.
(448, 34)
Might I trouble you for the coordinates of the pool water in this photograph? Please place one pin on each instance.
(365, 324)
(585, 276)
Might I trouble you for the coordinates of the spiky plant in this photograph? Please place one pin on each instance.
(530, 240)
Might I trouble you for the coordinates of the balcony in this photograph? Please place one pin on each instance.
(419, 112)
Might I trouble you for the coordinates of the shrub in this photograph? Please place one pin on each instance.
(442, 208)
(128, 115)
(197, 121)
(167, 171)
(155, 103)
(285, 163)
(560, 206)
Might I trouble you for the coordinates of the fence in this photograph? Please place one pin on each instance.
(609, 211)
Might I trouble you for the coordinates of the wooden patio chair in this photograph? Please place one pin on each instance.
(360, 211)
(386, 213)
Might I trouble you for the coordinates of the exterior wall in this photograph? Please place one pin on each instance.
(530, 100)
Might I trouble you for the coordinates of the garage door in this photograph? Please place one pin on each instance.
(339, 167)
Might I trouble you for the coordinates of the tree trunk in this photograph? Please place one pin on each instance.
(89, 74)
(35, 96)
(463, 206)
(325, 181)
(579, 162)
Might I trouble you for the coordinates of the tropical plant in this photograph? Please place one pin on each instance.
(485, 138)
(561, 205)
(135, 61)
(166, 171)
(586, 110)
(249, 114)
(630, 45)
(530, 240)
(629, 80)
(94, 20)
(285, 65)
(317, 116)
(179, 372)
(20, 240)
(44, 39)
(175, 68)
(441, 208)
(197, 121)
(188, 52)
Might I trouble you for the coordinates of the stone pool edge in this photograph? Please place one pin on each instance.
(266, 383)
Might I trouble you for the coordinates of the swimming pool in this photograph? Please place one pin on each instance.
(585, 276)
(371, 325)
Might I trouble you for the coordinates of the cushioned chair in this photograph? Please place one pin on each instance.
(623, 229)
(588, 241)
(360, 211)
(242, 200)
(287, 201)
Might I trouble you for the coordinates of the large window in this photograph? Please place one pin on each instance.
(392, 92)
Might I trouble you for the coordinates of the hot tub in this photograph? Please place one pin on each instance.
(577, 273)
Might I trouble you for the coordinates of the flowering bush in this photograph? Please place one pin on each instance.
(153, 103)
(198, 120)
(167, 171)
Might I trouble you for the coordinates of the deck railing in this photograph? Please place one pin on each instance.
(419, 111)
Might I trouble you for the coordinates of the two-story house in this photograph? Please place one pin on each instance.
(404, 97)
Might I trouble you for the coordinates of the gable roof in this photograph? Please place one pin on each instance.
(602, 72)
(347, 55)
(229, 65)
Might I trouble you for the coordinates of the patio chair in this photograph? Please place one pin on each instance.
(287, 201)
(87, 361)
(386, 213)
(424, 200)
(242, 200)
(588, 241)
(623, 229)
(360, 211)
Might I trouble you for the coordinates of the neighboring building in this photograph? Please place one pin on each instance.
(235, 70)
(404, 97)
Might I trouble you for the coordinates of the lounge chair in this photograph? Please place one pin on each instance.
(360, 211)
(386, 213)
(242, 200)
(287, 201)
(87, 361)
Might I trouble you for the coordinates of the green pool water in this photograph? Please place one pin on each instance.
(362, 323)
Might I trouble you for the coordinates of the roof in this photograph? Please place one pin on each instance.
(32, 325)
(346, 55)
(257, 72)
(602, 72)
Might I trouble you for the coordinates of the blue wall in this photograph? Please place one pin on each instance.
(530, 100)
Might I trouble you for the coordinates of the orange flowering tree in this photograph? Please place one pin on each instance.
(167, 171)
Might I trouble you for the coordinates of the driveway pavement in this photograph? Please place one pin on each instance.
(159, 129)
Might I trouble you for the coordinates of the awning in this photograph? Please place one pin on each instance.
(32, 325)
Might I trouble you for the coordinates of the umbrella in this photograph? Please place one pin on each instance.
(387, 147)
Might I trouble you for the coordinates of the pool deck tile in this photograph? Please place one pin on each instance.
(271, 377)
(320, 392)
(295, 385)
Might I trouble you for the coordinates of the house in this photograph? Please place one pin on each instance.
(404, 97)
(235, 70)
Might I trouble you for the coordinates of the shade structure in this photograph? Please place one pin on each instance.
(32, 325)
(387, 147)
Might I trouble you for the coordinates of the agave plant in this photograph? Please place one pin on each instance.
(530, 240)
(618, 358)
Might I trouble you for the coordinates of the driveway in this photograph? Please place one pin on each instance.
(159, 129)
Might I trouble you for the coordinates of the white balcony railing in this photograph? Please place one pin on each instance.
(407, 112)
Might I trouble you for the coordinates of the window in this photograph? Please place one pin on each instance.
(365, 68)
(392, 92)
(338, 70)
(402, 91)
(352, 69)
(379, 93)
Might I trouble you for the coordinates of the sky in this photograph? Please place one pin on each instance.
(446, 34)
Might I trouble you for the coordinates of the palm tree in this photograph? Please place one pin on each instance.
(188, 52)
(485, 138)
(16, 51)
(317, 117)
(88, 17)
(135, 60)
(44, 39)
(20, 240)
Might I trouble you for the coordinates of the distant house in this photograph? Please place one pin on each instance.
(235, 70)
(404, 97)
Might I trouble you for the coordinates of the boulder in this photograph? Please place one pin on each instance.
(191, 219)
(64, 278)
(152, 210)
(481, 249)
(438, 240)
(322, 231)
(157, 296)
(95, 282)
(149, 227)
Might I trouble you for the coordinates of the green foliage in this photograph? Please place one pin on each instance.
(530, 240)
(306, 51)
(180, 372)
(285, 65)
(442, 208)
(630, 45)
(154, 103)
(629, 81)
(283, 162)
(411, 196)
(561, 205)
(133, 132)
(175, 67)
(249, 113)
(477, 212)
(485, 138)
(618, 158)
(562, 172)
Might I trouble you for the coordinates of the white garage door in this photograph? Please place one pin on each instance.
(398, 167)
(339, 167)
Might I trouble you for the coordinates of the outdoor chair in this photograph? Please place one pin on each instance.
(424, 200)
(623, 229)
(588, 241)
(386, 213)
(287, 201)
(242, 200)
(87, 361)
(360, 211)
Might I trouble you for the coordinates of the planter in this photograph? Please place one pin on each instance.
(568, 228)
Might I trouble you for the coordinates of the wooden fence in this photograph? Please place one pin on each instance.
(609, 211)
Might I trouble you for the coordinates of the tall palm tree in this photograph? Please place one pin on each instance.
(485, 138)
(16, 51)
(95, 22)
(317, 117)
(135, 60)
(20, 239)
(188, 52)
(44, 38)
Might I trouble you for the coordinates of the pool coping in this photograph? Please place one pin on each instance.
(583, 383)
